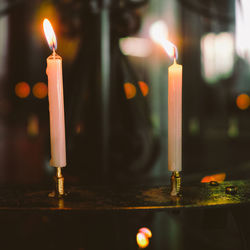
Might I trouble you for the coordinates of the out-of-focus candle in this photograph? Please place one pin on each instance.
(175, 117)
(56, 103)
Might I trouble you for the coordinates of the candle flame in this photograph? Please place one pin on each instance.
(50, 34)
(159, 33)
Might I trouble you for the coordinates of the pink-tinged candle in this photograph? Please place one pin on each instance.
(56, 103)
(175, 117)
(159, 33)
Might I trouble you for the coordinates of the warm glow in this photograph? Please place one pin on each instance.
(144, 88)
(50, 34)
(242, 101)
(33, 126)
(143, 236)
(146, 231)
(40, 90)
(142, 240)
(159, 34)
(135, 46)
(130, 90)
(22, 89)
(216, 177)
(79, 128)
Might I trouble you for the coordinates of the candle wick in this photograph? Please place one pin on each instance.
(175, 54)
(54, 53)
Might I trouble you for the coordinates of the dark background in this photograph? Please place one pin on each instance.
(123, 140)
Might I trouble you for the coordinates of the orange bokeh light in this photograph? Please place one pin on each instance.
(216, 177)
(130, 90)
(242, 101)
(40, 90)
(22, 89)
(144, 88)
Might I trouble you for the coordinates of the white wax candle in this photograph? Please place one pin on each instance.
(175, 117)
(56, 110)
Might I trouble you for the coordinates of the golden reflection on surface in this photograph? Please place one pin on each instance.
(130, 90)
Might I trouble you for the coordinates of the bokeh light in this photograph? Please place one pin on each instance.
(146, 231)
(142, 237)
(242, 101)
(217, 56)
(33, 126)
(216, 177)
(79, 128)
(130, 90)
(135, 46)
(142, 240)
(40, 90)
(242, 31)
(144, 88)
(22, 89)
(233, 127)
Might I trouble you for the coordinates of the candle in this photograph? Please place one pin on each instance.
(175, 117)
(56, 104)
(159, 33)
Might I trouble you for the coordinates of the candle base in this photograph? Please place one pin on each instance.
(59, 185)
(175, 184)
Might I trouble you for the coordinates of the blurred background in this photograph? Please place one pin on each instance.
(116, 89)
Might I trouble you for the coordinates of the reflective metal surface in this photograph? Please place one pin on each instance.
(126, 198)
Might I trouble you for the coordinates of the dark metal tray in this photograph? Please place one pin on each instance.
(126, 198)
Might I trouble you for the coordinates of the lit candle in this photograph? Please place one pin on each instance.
(175, 117)
(56, 104)
(159, 34)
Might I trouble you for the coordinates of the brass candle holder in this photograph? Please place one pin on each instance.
(59, 185)
(175, 184)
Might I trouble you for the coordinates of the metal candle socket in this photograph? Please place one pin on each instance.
(59, 184)
(175, 184)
